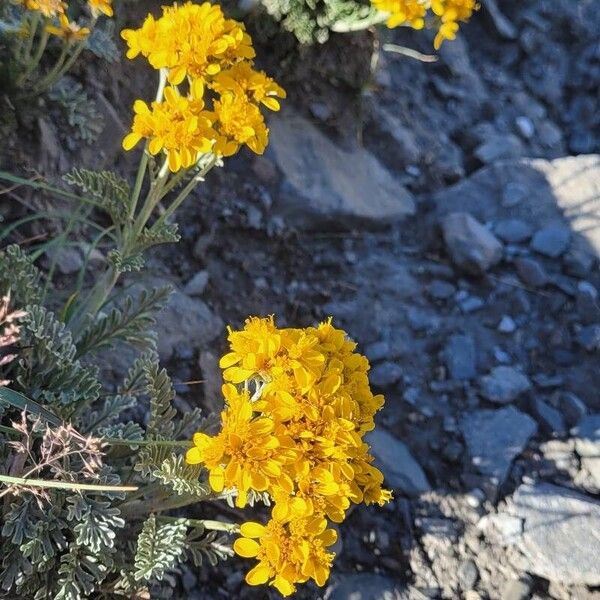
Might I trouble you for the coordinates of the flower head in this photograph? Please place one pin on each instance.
(48, 8)
(309, 392)
(178, 126)
(403, 12)
(287, 552)
(68, 30)
(98, 7)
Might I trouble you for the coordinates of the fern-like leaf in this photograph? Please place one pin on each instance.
(181, 477)
(111, 191)
(101, 42)
(161, 392)
(159, 548)
(130, 324)
(124, 264)
(19, 275)
(165, 233)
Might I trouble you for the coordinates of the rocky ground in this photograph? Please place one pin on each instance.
(447, 216)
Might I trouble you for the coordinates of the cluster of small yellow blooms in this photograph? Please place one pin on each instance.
(197, 45)
(297, 405)
(446, 14)
(57, 11)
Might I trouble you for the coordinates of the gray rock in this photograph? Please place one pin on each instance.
(377, 351)
(471, 304)
(503, 384)
(366, 586)
(507, 325)
(460, 357)
(525, 126)
(531, 272)
(498, 147)
(186, 322)
(468, 574)
(589, 337)
(213, 380)
(385, 374)
(441, 290)
(552, 241)
(402, 472)
(513, 231)
(573, 408)
(68, 260)
(517, 589)
(326, 185)
(587, 436)
(471, 246)
(495, 437)
(422, 320)
(549, 418)
(560, 539)
(197, 284)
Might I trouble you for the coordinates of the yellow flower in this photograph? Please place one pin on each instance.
(311, 387)
(243, 79)
(192, 40)
(403, 12)
(101, 7)
(245, 454)
(238, 121)
(449, 13)
(178, 126)
(48, 8)
(68, 30)
(287, 553)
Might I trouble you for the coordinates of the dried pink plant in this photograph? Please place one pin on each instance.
(9, 333)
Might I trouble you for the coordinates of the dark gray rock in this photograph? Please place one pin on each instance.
(326, 185)
(402, 472)
(377, 351)
(197, 284)
(366, 586)
(460, 357)
(589, 337)
(468, 574)
(495, 437)
(531, 272)
(500, 146)
(503, 384)
(587, 436)
(573, 408)
(507, 325)
(188, 323)
(385, 374)
(549, 418)
(441, 290)
(553, 240)
(68, 260)
(560, 539)
(471, 246)
(513, 231)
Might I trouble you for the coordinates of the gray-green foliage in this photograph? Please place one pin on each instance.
(312, 20)
(58, 543)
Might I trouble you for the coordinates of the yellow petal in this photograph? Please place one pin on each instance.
(251, 529)
(217, 479)
(259, 575)
(193, 456)
(284, 587)
(131, 140)
(246, 548)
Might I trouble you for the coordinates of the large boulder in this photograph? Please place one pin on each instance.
(327, 186)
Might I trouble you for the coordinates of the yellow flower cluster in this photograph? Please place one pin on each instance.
(57, 9)
(298, 404)
(413, 13)
(197, 45)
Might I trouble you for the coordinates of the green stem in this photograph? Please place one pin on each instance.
(65, 485)
(206, 523)
(348, 26)
(164, 443)
(41, 85)
(35, 21)
(186, 191)
(35, 61)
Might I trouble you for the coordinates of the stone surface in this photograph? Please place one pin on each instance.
(366, 586)
(560, 533)
(552, 241)
(589, 337)
(385, 374)
(401, 470)
(513, 231)
(495, 437)
(503, 384)
(186, 323)
(325, 184)
(471, 246)
(549, 418)
(197, 284)
(531, 272)
(460, 357)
